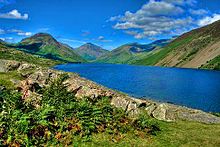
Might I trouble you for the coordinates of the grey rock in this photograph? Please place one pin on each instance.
(82, 87)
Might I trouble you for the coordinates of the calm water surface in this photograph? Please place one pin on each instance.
(188, 87)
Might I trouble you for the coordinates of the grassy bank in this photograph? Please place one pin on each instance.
(177, 134)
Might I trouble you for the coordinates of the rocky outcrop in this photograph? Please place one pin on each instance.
(82, 87)
(9, 65)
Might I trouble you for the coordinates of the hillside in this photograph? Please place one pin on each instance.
(2, 42)
(90, 51)
(45, 45)
(128, 52)
(8, 53)
(199, 48)
(44, 107)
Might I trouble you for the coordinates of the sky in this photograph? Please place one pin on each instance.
(108, 23)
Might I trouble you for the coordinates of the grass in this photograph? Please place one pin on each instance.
(155, 57)
(213, 64)
(188, 134)
(5, 79)
(182, 133)
(62, 53)
(12, 54)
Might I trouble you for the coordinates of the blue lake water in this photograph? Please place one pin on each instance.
(188, 87)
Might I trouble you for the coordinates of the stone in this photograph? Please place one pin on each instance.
(160, 112)
(82, 87)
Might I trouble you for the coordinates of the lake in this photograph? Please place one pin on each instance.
(193, 88)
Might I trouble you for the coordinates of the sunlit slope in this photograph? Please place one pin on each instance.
(199, 48)
(45, 45)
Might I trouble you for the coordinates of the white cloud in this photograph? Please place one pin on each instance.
(198, 12)
(182, 2)
(3, 39)
(14, 14)
(7, 39)
(102, 39)
(19, 32)
(155, 8)
(16, 31)
(154, 18)
(24, 33)
(209, 19)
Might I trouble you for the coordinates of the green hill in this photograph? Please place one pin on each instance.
(199, 48)
(45, 45)
(8, 53)
(90, 51)
(130, 52)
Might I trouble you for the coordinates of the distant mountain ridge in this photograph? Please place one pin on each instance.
(129, 52)
(90, 51)
(45, 45)
(199, 48)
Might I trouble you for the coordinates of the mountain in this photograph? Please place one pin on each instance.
(199, 48)
(129, 52)
(2, 42)
(9, 53)
(45, 45)
(90, 51)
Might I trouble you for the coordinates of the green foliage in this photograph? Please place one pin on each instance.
(157, 56)
(62, 119)
(216, 114)
(12, 54)
(5, 79)
(213, 64)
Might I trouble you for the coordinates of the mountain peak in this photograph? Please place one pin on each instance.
(90, 51)
(89, 43)
(42, 35)
(45, 45)
(43, 38)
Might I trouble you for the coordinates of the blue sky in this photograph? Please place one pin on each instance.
(108, 23)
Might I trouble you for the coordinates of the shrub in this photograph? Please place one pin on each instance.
(62, 117)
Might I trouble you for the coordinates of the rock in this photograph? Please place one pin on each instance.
(120, 102)
(12, 65)
(8, 65)
(82, 87)
(149, 109)
(160, 112)
(2, 66)
(43, 77)
(26, 66)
